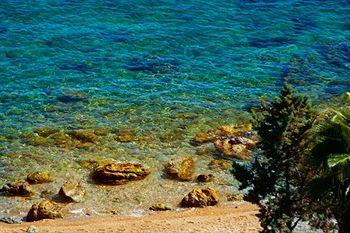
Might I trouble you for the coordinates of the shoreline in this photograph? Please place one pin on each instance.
(232, 217)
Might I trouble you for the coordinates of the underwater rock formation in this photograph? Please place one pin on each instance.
(84, 135)
(200, 198)
(72, 192)
(231, 141)
(44, 210)
(235, 147)
(39, 177)
(181, 169)
(119, 173)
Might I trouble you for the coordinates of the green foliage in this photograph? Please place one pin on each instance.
(277, 180)
(330, 156)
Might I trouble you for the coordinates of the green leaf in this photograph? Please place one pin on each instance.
(338, 160)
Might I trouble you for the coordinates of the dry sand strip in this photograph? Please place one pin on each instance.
(234, 217)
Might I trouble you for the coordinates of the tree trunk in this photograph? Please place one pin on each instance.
(344, 222)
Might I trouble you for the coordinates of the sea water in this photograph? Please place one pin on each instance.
(165, 69)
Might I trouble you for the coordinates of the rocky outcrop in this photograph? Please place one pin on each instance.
(119, 173)
(18, 188)
(44, 210)
(181, 169)
(72, 192)
(39, 177)
(200, 198)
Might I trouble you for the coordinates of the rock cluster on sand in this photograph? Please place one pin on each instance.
(200, 198)
(71, 192)
(18, 188)
(119, 173)
(181, 169)
(39, 177)
(44, 210)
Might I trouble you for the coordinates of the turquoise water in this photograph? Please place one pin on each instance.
(159, 68)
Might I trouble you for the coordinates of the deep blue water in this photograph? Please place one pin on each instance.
(107, 61)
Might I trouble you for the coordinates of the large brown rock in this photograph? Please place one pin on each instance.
(119, 173)
(44, 210)
(39, 177)
(18, 188)
(200, 198)
(181, 169)
(72, 192)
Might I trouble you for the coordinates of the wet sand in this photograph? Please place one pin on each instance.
(230, 217)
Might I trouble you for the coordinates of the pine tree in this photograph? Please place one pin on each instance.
(277, 178)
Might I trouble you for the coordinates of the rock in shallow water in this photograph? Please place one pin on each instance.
(19, 188)
(235, 147)
(111, 172)
(44, 210)
(205, 178)
(72, 192)
(39, 177)
(200, 198)
(181, 169)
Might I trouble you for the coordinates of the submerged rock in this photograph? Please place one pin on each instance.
(224, 130)
(45, 132)
(72, 192)
(119, 173)
(204, 137)
(72, 97)
(84, 135)
(125, 138)
(18, 188)
(235, 147)
(160, 207)
(39, 177)
(181, 169)
(61, 139)
(220, 164)
(200, 198)
(205, 178)
(44, 210)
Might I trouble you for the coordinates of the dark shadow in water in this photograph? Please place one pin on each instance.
(296, 72)
(153, 64)
(336, 55)
(81, 67)
(3, 30)
(303, 23)
(270, 42)
(120, 36)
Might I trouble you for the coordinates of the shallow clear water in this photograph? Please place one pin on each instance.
(162, 68)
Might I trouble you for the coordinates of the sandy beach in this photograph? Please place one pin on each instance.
(233, 217)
